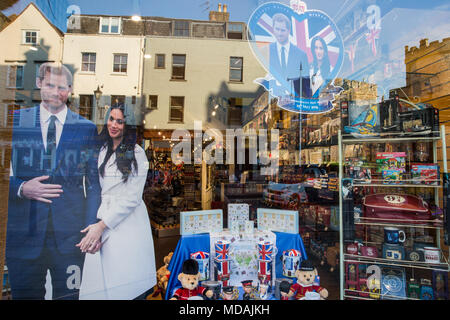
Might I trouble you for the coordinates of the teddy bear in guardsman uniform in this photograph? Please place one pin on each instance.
(306, 276)
(189, 281)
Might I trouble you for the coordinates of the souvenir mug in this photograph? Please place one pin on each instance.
(203, 264)
(432, 255)
(394, 235)
(291, 262)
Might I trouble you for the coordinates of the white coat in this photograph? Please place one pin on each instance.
(125, 265)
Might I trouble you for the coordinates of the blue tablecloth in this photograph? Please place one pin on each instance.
(200, 242)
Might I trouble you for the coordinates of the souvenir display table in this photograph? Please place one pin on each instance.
(243, 252)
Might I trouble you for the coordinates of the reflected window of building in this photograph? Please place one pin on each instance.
(153, 101)
(178, 66)
(117, 99)
(181, 28)
(120, 62)
(88, 60)
(235, 111)
(235, 31)
(13, 115)
(86, 103)
(236, 69)
(176, 112)
(110, 25)
(15, 77)
(160, 61)
(30, 37)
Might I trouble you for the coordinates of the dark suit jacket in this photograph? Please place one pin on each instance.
(295, 58)
(71, 212)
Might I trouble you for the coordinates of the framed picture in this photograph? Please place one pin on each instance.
(238, 213)
(202, 221)
(277, 220)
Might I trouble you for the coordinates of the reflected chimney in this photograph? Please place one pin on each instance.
(220, 15)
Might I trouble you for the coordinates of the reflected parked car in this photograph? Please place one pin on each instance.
(285, 195)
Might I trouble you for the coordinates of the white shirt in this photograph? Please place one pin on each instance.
(45, 121)
(286, 52)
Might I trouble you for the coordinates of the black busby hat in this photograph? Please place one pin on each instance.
(285, 286)
(190, 266)
(306, 265)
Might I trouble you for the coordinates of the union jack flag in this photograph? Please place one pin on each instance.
(200, 255)
(300, 36)
(222, 249)
(265, 251)
(265, 271)
(293, 253)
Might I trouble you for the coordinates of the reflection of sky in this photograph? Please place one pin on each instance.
(404, 22)
(240, 10)
(398, 30)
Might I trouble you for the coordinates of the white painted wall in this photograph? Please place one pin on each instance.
(207, 73)
(105, 46)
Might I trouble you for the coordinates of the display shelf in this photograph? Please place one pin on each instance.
(442, 266)
(388, 139)
(426, 224)
(396, 185)
(436, 224)
(384, 296)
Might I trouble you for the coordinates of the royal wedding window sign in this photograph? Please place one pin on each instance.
(302, 52)
(202, 221)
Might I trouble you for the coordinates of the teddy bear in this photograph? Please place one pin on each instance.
(189, 277)
(162, 275)
(305, 288)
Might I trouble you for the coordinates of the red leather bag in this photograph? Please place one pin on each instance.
(396, 208)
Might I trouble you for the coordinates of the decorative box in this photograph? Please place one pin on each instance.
(238, 213)
(277, 220)
(203, 221)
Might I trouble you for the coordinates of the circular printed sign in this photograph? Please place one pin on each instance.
(302, 54)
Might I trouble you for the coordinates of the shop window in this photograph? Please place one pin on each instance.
(86, 103)
(13, 115)
(88, 60)
(235, 31)
(160, 61)
(30, 37)
(15, 77)
(181, 28)
(235, 111)
(115, 99)
(176, 112)
(110, 25)
(178, 66)
(153, 101)
(120, 63)
(236, 69)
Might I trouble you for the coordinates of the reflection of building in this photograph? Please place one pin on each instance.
(55, 11)
(199, 70)
(427, 75)
(32, 40)
(106, 53)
